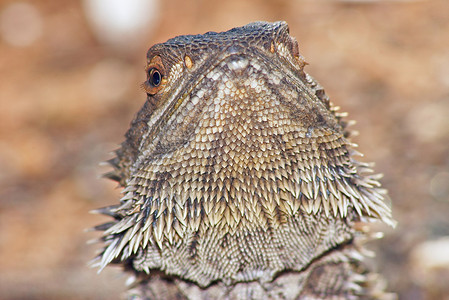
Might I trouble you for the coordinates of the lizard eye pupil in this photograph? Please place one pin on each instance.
(155, 77)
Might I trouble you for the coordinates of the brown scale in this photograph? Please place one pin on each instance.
(239, 178)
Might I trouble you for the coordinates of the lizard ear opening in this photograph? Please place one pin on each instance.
(155, 76)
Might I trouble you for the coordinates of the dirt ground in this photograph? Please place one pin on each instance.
(68, 93)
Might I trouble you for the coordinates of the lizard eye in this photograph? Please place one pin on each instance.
(155, 77)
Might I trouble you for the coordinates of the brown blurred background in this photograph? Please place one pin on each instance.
(69, 86)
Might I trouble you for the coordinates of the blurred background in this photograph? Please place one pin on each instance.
(70, 73)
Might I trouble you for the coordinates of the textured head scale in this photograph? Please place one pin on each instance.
(236, 153)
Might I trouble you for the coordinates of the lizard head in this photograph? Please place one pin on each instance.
(186, 72)
(234, 139)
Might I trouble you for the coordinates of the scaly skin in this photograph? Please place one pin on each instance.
(239, 178)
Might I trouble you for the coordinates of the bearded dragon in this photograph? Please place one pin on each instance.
(239, 178)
